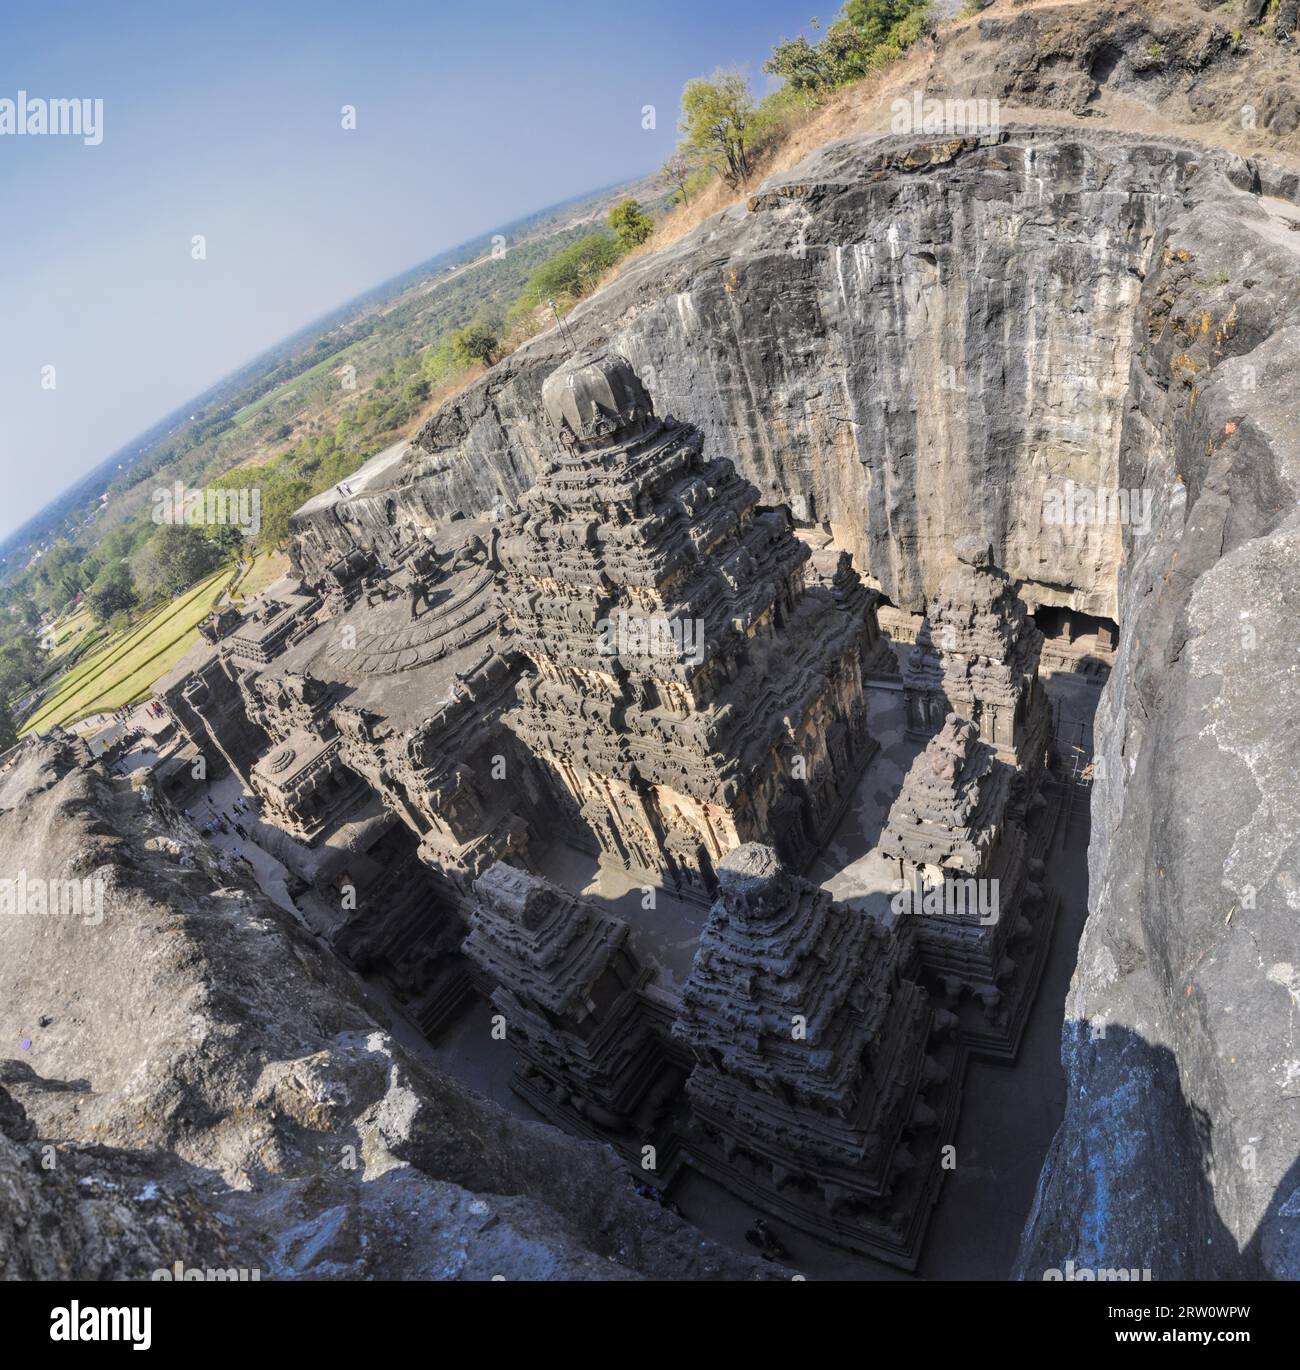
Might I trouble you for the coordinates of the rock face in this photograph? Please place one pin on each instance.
(1196, 62)
(885, 338)
(1178, 1149)
(200, 1084)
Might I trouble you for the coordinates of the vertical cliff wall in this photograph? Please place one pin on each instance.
(905, 340)
(1178, 1153)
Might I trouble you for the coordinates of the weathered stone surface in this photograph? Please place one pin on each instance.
(1178, 1150)
(691, 692)
(196, 1050)
(568, 986)
(976, 655)
(860, 378)
(822, 1087)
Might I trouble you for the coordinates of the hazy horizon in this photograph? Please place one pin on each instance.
(229, 124)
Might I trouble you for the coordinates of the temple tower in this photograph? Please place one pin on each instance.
(561, 974)
(968, 886)
(976, 655)
(824, 1083)
(690, 691)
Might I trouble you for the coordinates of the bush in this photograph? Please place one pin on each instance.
(476, 342)
(631, 224)
(573, 272)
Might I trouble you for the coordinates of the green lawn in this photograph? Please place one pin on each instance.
(125, 668)
(266, 567)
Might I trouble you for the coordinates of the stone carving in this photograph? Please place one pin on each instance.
(824, 1083)
(568, 987)
(976, 655)
(964, 880)
(685, 678)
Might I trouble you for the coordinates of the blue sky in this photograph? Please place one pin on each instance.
(224, 120)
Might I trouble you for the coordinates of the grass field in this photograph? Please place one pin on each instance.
(250, 411)
(266, 568)
(124, 669)
(73, 632)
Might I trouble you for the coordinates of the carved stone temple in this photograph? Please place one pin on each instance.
(566, 982)
(560, 768)
(969, 886)
(691, 692)
(976, 655)
(824, 1082)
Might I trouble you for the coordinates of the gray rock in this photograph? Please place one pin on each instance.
(223, 1098)
(1178, 1150)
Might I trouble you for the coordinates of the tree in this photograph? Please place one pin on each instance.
(866, 32)
(178, 555)
(714, 120)
(112, 593)
(281, 495)
(26, 609)
(878, 20)
(843, 55)
(573, 271)
(8, 733)
(476, 342)
(229, 541)
(22, 664)
(59, 575)
(678, 169)
(439, 363)
(631, 224)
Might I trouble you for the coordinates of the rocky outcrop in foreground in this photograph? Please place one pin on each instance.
(1178, 1153)
(189, 1079)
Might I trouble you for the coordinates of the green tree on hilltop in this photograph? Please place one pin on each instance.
(574, 271)
(715, 122)
(476, 342)
(631, 224)
(867, 34)
(878, 20)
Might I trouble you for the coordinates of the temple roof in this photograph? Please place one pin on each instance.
(545, 945)
(951, 806)
(594, 398)
(776, 946)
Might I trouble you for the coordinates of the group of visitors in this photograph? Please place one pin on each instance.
(217, 820)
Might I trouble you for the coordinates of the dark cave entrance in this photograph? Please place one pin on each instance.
(1060, 623)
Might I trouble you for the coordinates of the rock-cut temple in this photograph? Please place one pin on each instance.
(641, 669)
